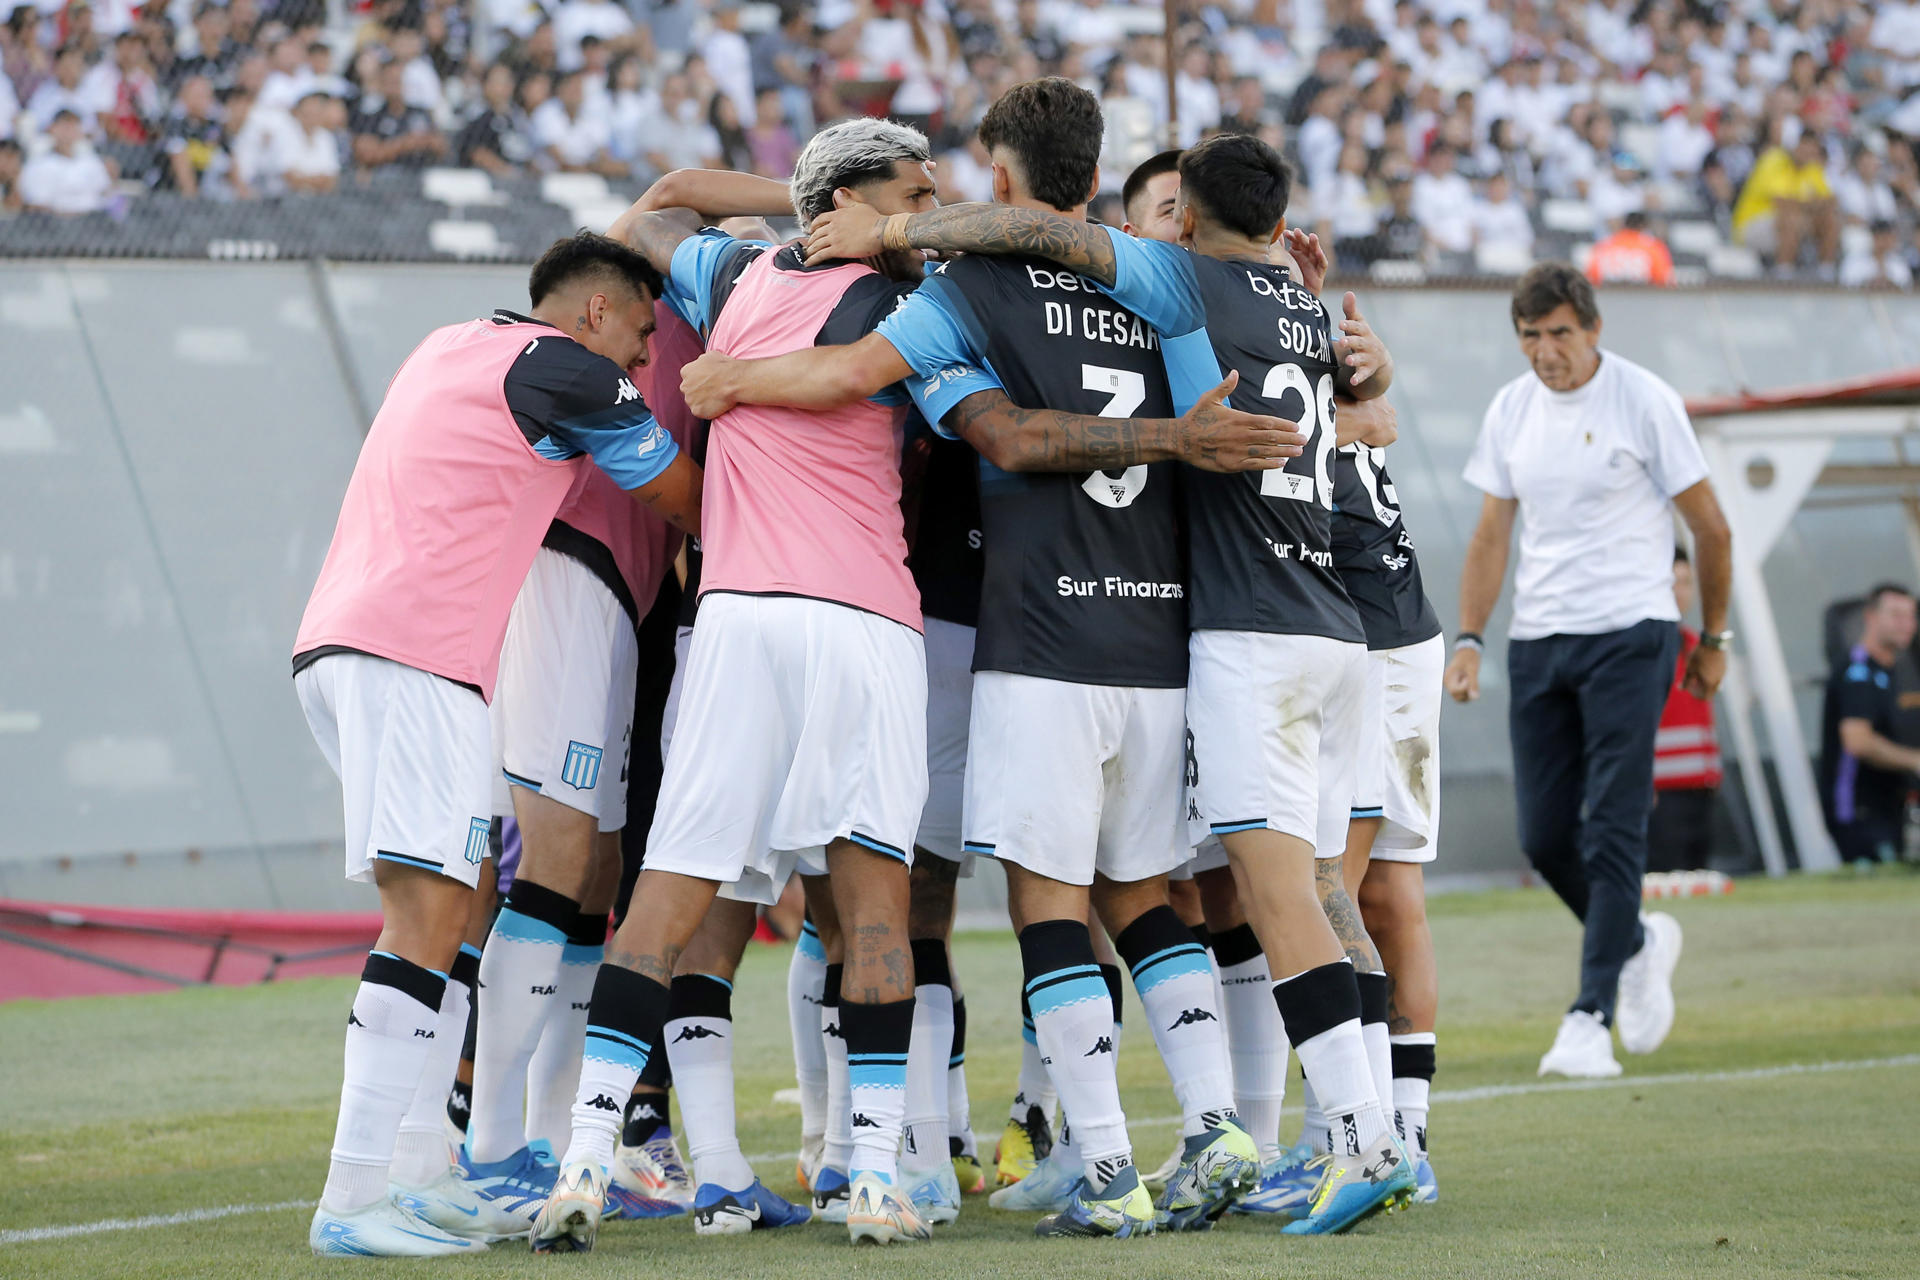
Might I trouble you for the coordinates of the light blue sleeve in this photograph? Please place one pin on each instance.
(700, 264)
(937, 395)
(928, 331)
(1156, 282)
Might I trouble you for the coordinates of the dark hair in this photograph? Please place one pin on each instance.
(1636, 220)
(586, 254)
(1680, 555)
(1549, 284)
(1881, 590)
(1237, 181)
(1147, 170)
(1054, 129)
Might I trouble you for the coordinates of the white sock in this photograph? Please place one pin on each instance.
(1035, 1086)
(806, 979)
(519, 991)
(422, 1153)
(553, 1073)
(879, 1040)
(1073, 1021)
(959, 1109)
(391, 1029)
(1314, 1129)
(1066, 1149)
(1256, 1038)
(1412, 1093)
(924, 1144)
(625, 1026)
(838, 1153)
(1373, 1030)
(1321, 1008)
(700, 1047)
(1174, 979)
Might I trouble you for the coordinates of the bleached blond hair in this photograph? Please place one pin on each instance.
(848, 154)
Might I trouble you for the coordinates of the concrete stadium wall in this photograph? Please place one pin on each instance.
(174, 439)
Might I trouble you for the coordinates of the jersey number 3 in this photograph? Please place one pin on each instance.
(1129, 392)
(1314, 481)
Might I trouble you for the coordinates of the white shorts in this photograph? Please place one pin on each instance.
(806, 723)
(1069, 779)
(949, 708)
(1410, 681)
(682, 648)
(1276, 724)
(413, 754)
(1208, 855)
(563, 707)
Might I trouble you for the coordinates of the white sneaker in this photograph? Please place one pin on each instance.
(935, 1192)
(450, 1203)
(654, 1170)
(1583, 1049)
(383, 1229)
(1048, 1189)
(1644, 1013)
(879, 1213)
(570, 1218)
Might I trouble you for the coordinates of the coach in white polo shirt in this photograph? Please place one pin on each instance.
(1591, 451)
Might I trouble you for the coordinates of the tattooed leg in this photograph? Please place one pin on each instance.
(1344, 916)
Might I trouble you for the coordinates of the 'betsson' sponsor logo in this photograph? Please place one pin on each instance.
(1119, 588)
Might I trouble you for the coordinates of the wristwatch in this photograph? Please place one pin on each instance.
(1721, 640)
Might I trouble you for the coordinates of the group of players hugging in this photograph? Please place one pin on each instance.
(1141, 621)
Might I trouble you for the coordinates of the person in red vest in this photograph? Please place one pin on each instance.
(1686, 757)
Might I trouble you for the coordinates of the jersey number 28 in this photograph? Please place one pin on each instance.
(1314, 481)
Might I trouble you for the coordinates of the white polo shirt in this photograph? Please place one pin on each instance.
(1595, 471)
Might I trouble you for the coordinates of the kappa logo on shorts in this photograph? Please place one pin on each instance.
(479, 832)
(582, 769)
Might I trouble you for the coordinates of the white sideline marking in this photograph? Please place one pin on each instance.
(29, 1235)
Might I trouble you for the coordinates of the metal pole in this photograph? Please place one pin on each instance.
(1173, 97)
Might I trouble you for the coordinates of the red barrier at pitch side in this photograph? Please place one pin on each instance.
(51, 950)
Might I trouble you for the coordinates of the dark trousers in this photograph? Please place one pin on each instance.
(1680, 832)
(1584, 713)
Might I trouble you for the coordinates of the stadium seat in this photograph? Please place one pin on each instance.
(1396, 271)
(1582, 255)
(1502, 259)
(458, 187)
(1734, 262)
(1572, 216)
(1855, 239)
(1693, 236)
(1641, 141)
(571, 189)
(464, 239)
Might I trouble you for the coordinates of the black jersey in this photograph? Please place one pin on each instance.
(1374, 553)
(1261, 542)
(1084, 576)
(944, 554)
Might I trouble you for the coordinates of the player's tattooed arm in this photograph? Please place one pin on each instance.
(717, 193)
(656, 233)
(1211, 436)
(1344, 916)
(859, 231)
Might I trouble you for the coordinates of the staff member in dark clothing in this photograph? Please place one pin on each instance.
(1594, 453)
(1866, 775)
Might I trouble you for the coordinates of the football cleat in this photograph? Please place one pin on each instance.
(1645, 1011)
(935, 1193)
(1354, 1187)
(570, 1218)
(1023, 1144)
(967, 1173)
(453, 1204)
(1217, 1169)
(1426, 1187)
(1045, 1190)
(812, 1151)
(654, 1170)
(623, 1204)
(1287, 1184)
(516, 1186)
(1583, 1049)
(720, 1212)
(1122, 1211)
(830, 1190)
(384, 1229)
(1156, 1182)
(878, 1214)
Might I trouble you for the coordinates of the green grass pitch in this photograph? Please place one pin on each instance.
(118, 1108)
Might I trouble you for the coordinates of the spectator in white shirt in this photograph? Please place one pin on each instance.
(1617, 190)
(1346, 205)
(304, 153)
(289, 77)
(1863, 191)
(1443, 201)
(729, 60)
(1663, 86)
(1880, 265)
(9, 106)
(574, 138)
(66, 178)
(63, 93)
(1319, 137)
(1499, 217)
(577, 18)
(1194, 89)
(1684, 142)
(680, 138)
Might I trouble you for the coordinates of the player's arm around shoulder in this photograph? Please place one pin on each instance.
(601, 413)
(860, 231)
(811, 378)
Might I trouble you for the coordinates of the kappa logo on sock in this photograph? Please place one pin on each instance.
(862, 1122)
(1103, 1045)
(696, 1032)
(353, 1020)
(602, 1102)
(542, 991)
(832, 1029)
(1190, 1016)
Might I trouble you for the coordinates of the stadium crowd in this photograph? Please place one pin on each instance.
(1432, 130)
